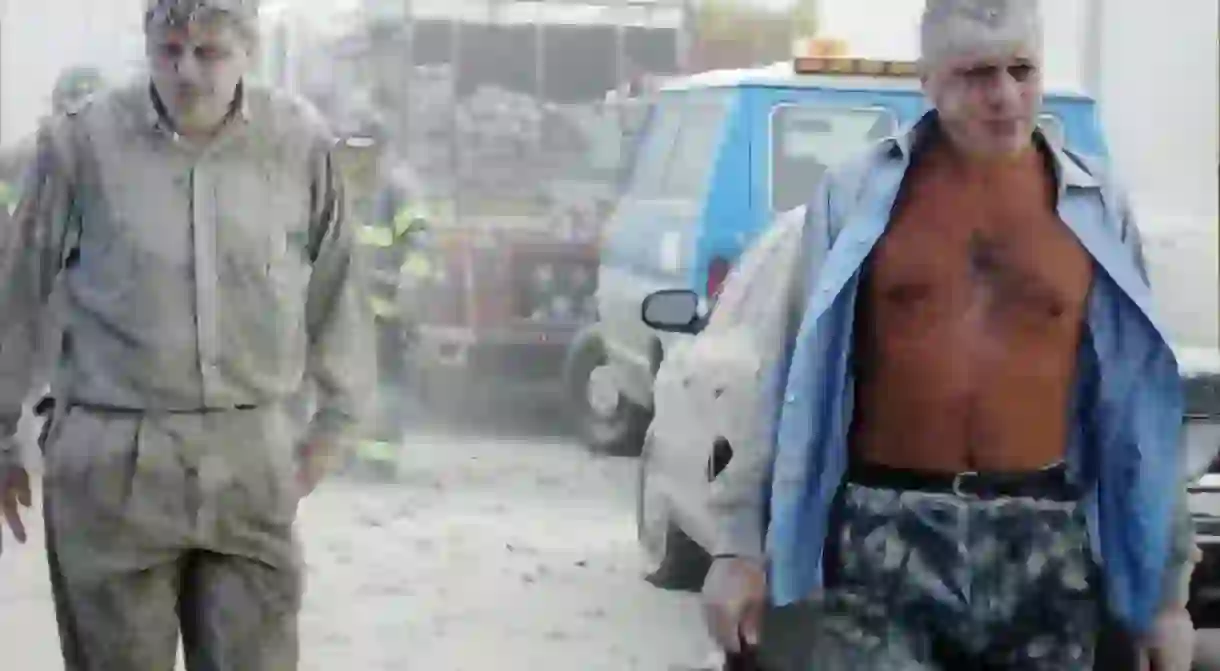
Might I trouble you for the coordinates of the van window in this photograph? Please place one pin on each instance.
(807, 139)
(652, 156)
(680, 146)
(694, 154)
(1052, 127)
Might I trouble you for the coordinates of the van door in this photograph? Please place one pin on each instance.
(651, 236)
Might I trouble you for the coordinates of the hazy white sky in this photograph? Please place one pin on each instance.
(40, 37)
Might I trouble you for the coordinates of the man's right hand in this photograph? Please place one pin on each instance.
(734, 598)
(14, 495)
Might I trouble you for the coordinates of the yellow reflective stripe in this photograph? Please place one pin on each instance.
(417, 265)
(402, 224)
(376, 236)
(405, 218)
(382, 307)
(9, 197)
(377, 450)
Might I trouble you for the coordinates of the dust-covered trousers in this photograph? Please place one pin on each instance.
(155, 520)
(942, 580)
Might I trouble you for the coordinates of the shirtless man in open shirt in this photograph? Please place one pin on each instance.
(975, 449)
(197, 224)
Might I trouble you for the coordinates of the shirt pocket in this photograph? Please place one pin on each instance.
(288, 239)
(263, 228)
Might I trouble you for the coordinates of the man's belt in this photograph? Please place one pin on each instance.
(1050, 483)
(47, 404)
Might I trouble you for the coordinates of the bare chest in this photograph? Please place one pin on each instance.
(1005, 264)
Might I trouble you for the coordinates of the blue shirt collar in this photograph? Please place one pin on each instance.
(1069, 171)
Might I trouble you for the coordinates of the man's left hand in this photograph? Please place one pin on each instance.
(1170, 645)
(313, 462)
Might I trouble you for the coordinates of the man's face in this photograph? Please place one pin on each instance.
(988, 103)
(196, 69)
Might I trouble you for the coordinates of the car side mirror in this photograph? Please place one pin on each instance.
(673, 311)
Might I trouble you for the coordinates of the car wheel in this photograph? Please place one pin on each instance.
(673, 561)
(607, 421)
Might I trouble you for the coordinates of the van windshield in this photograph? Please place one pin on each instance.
(808, 139)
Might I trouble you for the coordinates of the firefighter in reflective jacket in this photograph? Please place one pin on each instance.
(394, 217)
(381, 235)
(398, 216)
(388, 240)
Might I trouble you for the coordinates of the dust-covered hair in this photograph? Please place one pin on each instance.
(243, 14)
(953, 27)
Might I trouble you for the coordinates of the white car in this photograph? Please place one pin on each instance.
(705, 396)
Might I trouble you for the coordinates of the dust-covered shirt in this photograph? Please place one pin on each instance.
(194, 278)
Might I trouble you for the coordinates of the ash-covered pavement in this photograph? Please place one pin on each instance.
(512, 554)
(489, 555)
(507, 554)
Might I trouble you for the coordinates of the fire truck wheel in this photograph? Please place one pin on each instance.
(608, 422)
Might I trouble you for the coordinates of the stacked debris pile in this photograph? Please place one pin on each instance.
(493, 141)
(430, 121)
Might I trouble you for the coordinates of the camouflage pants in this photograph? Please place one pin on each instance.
(160, 524)
(937, 581)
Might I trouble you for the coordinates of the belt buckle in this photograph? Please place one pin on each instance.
(959, 479)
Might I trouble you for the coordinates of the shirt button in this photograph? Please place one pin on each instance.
(791, 399)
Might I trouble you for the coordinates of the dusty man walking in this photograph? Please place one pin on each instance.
(197, 223)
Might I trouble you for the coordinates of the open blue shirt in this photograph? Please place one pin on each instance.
(1124, 447)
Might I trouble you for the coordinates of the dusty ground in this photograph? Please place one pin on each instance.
(513, 555)
(507, 554)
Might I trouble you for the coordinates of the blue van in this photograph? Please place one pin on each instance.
(722, 154)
